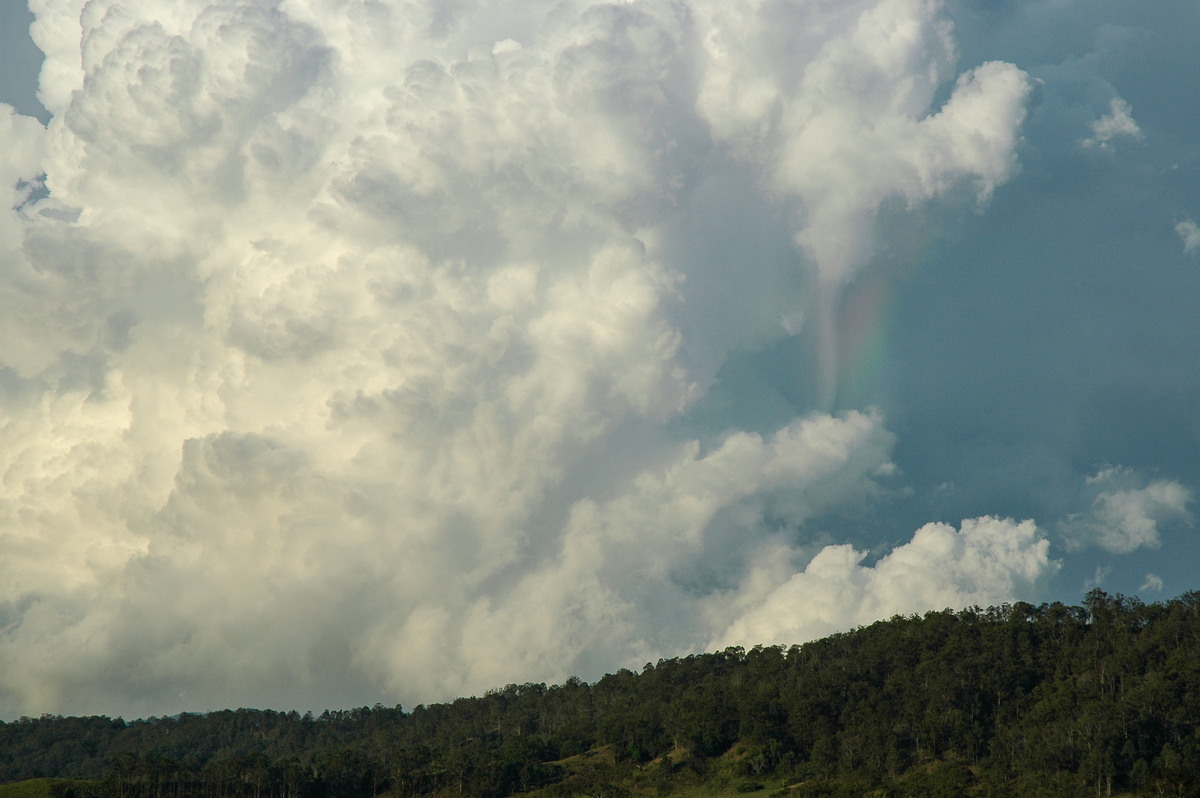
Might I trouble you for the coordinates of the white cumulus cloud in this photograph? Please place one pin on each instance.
(984, 562)
(1126, 511)
(342, 357)
(1189, 233)
(1117, 123)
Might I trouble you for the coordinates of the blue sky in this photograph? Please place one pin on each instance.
(20, 60)
(396, 353)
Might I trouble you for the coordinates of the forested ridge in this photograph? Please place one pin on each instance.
(1054, 700)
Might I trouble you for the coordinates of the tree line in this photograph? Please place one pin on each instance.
(1052, 700)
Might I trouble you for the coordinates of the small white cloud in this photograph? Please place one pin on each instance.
(1125, 513)
(1097, 578)
(1153, 584)
(1118, 123)
(1190, 233)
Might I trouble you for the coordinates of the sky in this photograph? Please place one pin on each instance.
(391, 351)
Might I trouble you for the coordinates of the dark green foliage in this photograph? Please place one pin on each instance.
(1014, 700)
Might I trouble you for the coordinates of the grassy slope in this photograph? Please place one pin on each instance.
(721, 779)
(38, 788)
(33, 788)
(668, 775)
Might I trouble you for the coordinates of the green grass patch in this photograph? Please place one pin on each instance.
(31, 788)
(46, 788)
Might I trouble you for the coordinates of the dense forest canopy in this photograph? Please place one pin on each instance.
(1019, 699)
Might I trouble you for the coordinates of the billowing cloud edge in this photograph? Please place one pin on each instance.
(348, 330)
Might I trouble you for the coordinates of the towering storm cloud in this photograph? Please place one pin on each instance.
(369, 351)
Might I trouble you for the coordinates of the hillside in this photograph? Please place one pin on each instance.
(1049, 700)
